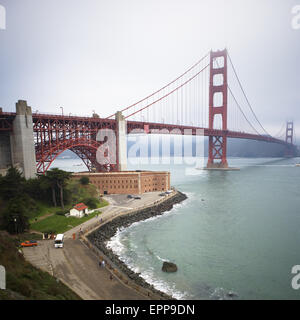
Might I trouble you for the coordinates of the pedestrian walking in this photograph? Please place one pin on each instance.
(103, 264)
(111, 277)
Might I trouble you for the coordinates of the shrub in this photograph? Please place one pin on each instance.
(84, 181)
(15, 218)
(92, 203)
(60, 213)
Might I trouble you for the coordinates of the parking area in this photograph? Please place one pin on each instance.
(79, 268)
(122, 200)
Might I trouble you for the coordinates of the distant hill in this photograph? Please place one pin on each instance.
(236, 148)
(254, 149)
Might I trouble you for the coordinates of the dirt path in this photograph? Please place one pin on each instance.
(43, 217)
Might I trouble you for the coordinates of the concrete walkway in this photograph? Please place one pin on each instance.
(118, 204)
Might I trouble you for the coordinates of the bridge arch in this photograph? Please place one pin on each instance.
(85, 149)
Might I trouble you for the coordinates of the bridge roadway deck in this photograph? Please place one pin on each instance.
(132, 125)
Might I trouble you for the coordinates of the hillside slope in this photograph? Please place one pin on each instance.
(25, 282)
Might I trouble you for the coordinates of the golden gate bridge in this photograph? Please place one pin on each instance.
(209, 96)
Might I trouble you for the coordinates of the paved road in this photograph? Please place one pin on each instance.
(78, 267)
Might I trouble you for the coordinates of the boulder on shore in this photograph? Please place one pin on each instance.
(169, 267)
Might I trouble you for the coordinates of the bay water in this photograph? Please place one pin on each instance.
(237, 236)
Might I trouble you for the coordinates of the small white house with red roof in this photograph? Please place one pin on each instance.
(79, 210)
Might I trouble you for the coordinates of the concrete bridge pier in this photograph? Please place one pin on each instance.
(121, 125)
(22, 148)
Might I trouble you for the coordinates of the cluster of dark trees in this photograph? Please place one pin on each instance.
(19, 196)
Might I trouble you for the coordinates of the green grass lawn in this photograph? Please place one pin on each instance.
(61, 224)
(43, 210)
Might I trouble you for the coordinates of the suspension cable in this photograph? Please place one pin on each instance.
(238, 105)
(192, 67)
(242, 110)
(249, 104)
(166, 95)
(280, 133)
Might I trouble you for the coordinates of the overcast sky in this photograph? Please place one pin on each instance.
(102, 55)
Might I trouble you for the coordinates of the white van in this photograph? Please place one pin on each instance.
(59, 241)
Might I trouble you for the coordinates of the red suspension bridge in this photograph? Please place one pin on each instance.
(209, 96)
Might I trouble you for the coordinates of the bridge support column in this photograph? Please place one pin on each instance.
(290, 150)
(217, 155)
(5, 152)
(121, 133)
(22, 141)
(289, 132)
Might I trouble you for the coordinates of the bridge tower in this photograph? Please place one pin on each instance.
(289, 132)
(217, 153)
(17, 143)
(290, 150)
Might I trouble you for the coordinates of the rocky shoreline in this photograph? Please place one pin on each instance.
(104, 233)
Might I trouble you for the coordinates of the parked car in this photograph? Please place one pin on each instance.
(129, 196)
(138, 198)
(29, 243)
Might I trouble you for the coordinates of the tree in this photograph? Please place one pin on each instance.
(34, 189)
(48, 181)
(60, 177)
(84, 180)
(92, 203)
(12, 184)
(15, 219)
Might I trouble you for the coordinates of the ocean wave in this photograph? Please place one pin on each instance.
(163, 286)
(115, 244)
(150, 277)
(161, 259)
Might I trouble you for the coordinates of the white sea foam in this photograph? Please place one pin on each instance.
(115, 244)
(161, 259)
(163, 286)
